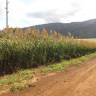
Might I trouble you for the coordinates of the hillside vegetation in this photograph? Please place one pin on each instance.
(21, 49)
(86, 29)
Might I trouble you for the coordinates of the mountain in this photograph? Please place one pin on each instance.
(86, 29)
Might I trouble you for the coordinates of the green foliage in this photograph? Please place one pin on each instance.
(17, 81)
(31, 49)
(66, 63)
(25, 78)
(20, 76)
(18, 87)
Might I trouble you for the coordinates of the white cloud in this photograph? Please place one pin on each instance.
(42, 11)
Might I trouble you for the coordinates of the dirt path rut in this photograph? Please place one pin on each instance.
(75, 81)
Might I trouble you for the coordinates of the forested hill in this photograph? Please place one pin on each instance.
(86, 29)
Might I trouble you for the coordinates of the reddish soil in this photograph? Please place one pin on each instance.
(75, 81)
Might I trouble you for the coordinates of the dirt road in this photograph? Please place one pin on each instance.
(75, 81)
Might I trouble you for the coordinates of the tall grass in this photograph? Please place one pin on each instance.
(32, 48)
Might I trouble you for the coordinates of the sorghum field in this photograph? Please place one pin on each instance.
(28, 48)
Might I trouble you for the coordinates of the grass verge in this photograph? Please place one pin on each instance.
(24, 79)
(66, 63)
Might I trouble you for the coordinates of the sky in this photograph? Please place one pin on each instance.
(23, 13)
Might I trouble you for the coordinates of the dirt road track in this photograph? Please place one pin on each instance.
(75, 81)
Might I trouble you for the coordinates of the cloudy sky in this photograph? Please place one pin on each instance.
(32, 12)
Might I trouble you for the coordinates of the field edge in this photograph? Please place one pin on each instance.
(29, 76)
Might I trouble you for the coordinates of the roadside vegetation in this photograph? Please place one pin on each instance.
(23, 50)
(29, 48)
(25, 78)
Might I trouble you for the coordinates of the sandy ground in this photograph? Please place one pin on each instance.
(75, 81)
